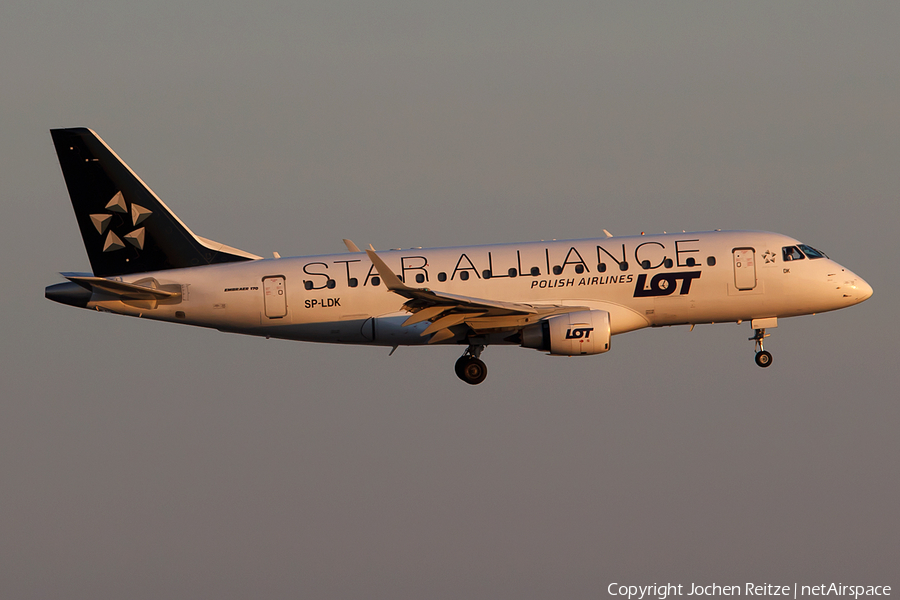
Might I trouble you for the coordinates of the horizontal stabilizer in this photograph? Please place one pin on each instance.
(129, 291)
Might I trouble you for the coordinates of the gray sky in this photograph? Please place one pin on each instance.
(145, 460)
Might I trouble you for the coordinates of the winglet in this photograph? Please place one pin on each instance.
(351, 246)
(391, 280)
(608, 234)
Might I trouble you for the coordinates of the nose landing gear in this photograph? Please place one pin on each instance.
(469, 366)
(763, 358)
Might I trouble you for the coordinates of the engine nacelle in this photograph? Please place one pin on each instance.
(571, 334)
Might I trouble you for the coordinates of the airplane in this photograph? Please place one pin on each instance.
(564, 298)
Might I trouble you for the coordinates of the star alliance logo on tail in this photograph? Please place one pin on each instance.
(117, 205)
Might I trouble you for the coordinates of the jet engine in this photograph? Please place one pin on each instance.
(571, 334)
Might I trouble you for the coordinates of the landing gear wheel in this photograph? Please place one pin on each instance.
(473, 370)
(460, 365)
(763, 358)
(469, 367)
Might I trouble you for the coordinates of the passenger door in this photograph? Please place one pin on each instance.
(276, 299)
(744, 268)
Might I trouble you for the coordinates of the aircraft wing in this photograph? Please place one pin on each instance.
(446, 310)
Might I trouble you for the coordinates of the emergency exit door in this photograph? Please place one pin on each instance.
(744, 268)
(276, 299)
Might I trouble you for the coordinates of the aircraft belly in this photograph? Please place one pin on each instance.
(336, 332)
(671, 310)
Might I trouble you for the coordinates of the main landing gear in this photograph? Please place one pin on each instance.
(763, 358)
(469, 367)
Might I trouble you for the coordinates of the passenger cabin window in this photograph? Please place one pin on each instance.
(811, 252)
(790, 253)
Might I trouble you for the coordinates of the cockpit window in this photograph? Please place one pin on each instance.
(790, 253)
(811, 252)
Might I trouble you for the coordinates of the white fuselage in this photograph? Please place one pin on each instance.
(641, 281)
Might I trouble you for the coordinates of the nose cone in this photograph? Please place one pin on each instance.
(863, 289)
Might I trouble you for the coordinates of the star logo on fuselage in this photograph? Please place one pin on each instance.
(769, 257)
(117, 204)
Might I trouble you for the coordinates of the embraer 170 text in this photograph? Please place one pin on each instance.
(566, 298)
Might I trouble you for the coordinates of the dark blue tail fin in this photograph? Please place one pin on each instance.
(126, 228)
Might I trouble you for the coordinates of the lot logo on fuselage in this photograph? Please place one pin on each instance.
(664, 284)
